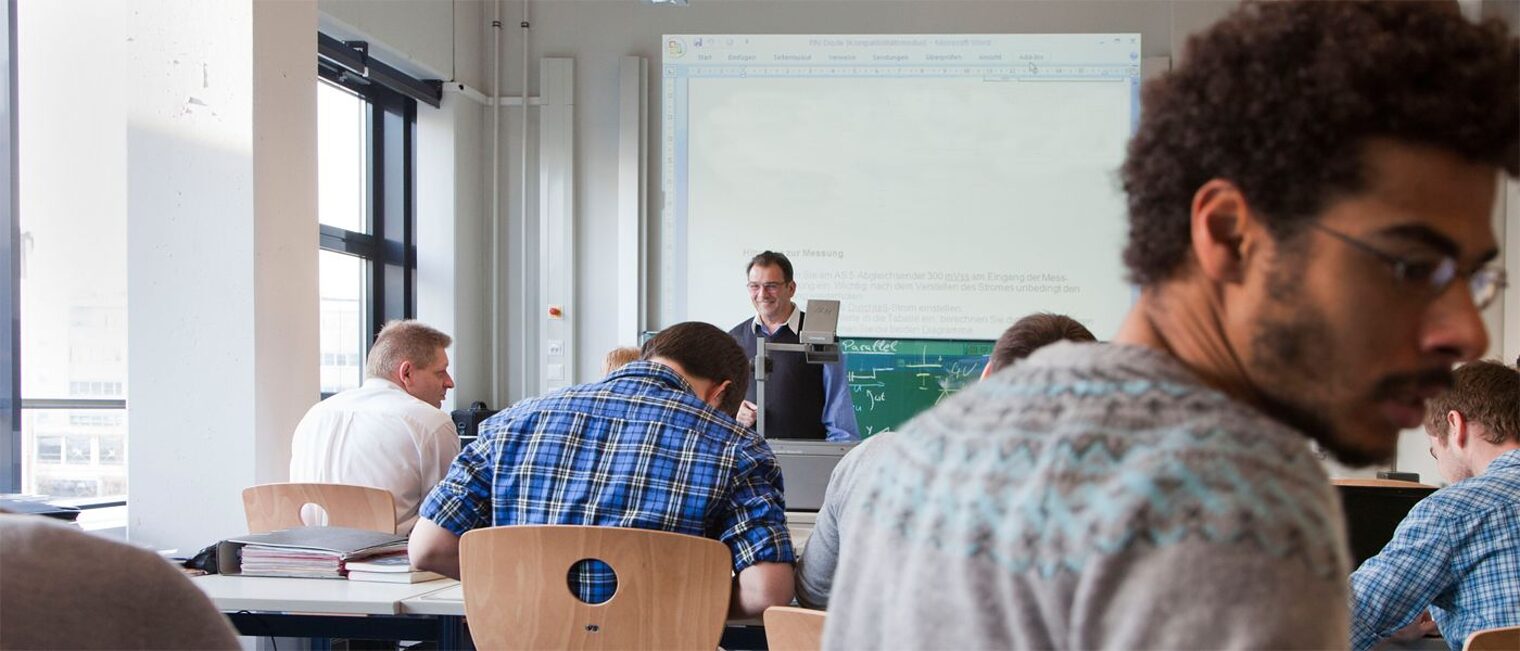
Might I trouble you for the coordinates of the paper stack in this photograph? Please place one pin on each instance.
(319, 552)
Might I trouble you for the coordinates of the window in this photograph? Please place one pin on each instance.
(364, 165)
(64, 264)
(112, 451)
(49, 449)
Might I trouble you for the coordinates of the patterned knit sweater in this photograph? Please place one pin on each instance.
(1092, 497)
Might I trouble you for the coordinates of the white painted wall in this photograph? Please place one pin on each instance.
(597, 32)
(452, 242)
(419, 33)
(448, 40)
(432, 39)
(221, 255)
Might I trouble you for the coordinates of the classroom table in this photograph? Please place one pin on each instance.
(324, 609)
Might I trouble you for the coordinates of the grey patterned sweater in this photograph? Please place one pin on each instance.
(1092, 497)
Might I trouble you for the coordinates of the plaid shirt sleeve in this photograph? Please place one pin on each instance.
(754, 523)
(462, 501)
(1391, 589)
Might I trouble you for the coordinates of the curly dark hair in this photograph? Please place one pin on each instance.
(1280, 97)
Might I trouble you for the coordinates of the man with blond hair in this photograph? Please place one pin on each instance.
(390, 432)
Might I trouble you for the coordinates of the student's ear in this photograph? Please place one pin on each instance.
(404, 372)
(715, 394)
(1221, 219)
(986, 370)
(1456, 426)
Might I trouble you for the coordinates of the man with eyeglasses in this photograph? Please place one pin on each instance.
(1310, 196)
(1458, 551)
(803, 401)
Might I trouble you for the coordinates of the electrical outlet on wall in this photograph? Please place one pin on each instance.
(556, 348)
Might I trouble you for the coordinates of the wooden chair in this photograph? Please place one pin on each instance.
(793, 629)
(271, 507)
(1379, 483)
(672, 589)
(1506, 638)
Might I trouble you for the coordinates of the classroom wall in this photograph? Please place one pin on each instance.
(446, 40)
(415, 35)
(597, 32)
(452, 245)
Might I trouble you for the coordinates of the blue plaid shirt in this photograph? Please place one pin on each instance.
(636, 449)
(1457, 552)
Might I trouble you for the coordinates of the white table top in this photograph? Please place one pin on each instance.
(259, 593)
(448, 601)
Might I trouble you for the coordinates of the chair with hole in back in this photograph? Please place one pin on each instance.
(271, 507)
(793, 629)
(1494, 639)
(672, 589)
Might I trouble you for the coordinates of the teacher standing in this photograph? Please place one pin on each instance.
(803, 401)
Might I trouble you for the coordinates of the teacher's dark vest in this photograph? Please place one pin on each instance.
(793, 389)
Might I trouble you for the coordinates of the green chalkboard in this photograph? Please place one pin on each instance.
(891, 380)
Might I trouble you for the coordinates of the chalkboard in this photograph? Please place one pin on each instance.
(892, 380)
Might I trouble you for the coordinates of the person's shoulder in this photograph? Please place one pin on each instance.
(1472, 497)
(39, 539)
(1117, 450)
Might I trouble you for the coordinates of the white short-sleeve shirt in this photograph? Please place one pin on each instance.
(376, 435)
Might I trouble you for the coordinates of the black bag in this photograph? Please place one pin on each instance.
(467, 421)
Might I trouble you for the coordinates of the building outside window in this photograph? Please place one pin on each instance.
(70, 255)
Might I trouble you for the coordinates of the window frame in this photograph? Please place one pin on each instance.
(10, 263)
(389, 248)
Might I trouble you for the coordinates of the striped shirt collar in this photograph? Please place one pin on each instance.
(652, 370)
(1504, 461)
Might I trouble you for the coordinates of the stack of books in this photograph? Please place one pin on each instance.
(394, 568)
(311, 552)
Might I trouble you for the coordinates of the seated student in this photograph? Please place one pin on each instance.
(389, 433)
(815, 567)
(1458, 551)
(568, 458)
(62, 588)
(1032, 333)
(1310, 227)
(618, 358)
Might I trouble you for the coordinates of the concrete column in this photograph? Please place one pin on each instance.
(221, 257)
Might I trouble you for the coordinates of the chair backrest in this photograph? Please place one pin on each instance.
(1506, 638)
(793, 629)
(271, 507)
(672, 589)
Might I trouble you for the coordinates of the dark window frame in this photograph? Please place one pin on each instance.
(389, 248)
(10, 265)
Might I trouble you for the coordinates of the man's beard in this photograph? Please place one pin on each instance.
(1294, 362)
(1283, 349)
